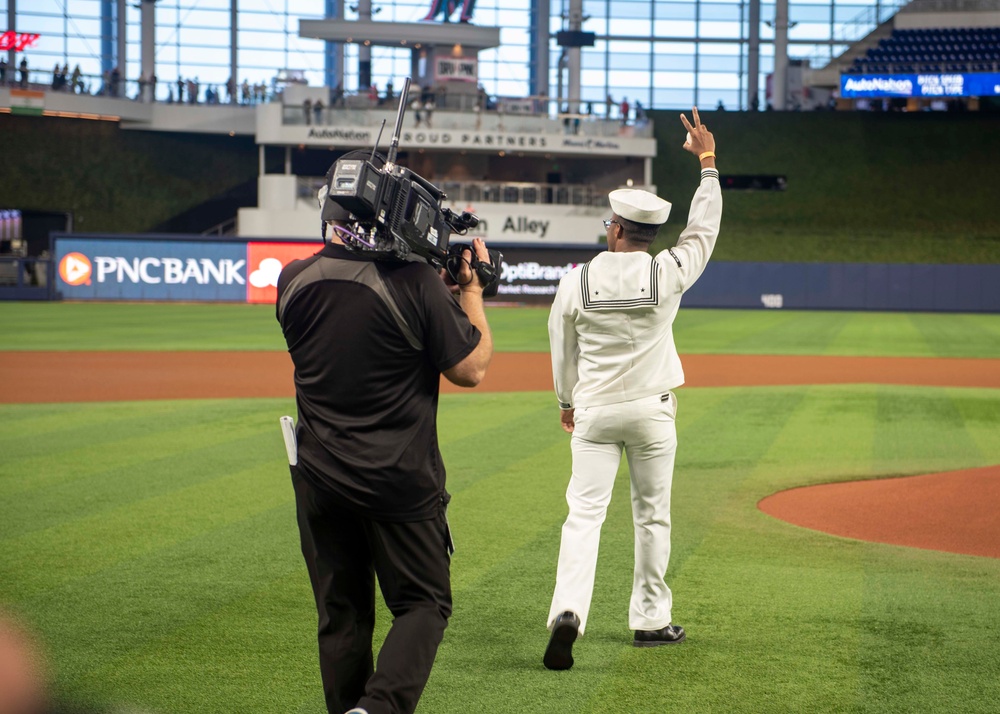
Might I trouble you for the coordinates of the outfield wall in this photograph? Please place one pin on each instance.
(191, 268)
(848, 286)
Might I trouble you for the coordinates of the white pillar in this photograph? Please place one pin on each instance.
(234, 80)
(542, 20)
(753, 54)
(779, 84)
(574, 63)
(11, 54)
(148, 21)
(121, 49)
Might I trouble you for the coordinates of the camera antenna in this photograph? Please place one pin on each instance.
(390, 161)
(371, 159)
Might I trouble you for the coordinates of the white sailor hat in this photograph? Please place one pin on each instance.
(640, 206)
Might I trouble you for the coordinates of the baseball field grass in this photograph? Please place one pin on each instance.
(153, 546)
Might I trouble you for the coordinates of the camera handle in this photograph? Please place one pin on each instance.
(488, 274)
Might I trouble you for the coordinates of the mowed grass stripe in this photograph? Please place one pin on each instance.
(104, 616)
(98, 449)
(139, 326)
(912, 426)
(950, 338)
(65, 429)
(105, 491)
(865, 334)
(243, 648)
(980, 412)
(134, 529)
(928, 632)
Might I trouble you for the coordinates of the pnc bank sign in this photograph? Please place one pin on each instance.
(109, 269)
(77, 269)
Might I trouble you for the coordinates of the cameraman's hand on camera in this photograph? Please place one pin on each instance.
(467, 278)
(471, 370)
(699, 139)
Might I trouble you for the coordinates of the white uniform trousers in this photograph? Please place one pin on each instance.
(645, 429)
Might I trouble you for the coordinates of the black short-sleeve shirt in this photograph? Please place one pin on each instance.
(369, 340)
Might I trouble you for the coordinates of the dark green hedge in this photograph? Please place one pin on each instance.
(869, 187)
(112, 179)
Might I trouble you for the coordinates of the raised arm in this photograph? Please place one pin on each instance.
(695, 245)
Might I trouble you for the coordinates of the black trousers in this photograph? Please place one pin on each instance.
(343, 552)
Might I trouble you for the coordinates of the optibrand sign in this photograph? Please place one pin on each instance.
(532, 275)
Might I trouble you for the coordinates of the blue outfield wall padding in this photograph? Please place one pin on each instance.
(848, 286)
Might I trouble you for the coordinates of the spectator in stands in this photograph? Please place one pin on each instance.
(75, 81)
(609, 103)
(116, 78)
(180, 90)
(389, 90)
(307, 110)
(55, 77)
(429, 107)
(3, 71)
(318, 111)
(417, 106)
(245, 91)
(720, 107)
(231, 90)
(640, 112)
(337, 95)
(754, 104)
(624, 108)
(64, 77)
(23, 69)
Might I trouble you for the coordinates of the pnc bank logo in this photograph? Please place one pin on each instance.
(75, 269)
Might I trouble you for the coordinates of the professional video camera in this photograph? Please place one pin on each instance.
(391, 213)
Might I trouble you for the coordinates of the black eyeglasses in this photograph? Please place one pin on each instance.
(607, 223)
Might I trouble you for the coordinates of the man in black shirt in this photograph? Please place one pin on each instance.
(369, 341)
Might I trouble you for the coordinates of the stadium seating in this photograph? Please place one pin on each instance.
(975, 49)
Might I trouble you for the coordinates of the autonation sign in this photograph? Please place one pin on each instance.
(854, 86)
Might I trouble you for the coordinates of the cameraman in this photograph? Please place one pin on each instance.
(369, 341)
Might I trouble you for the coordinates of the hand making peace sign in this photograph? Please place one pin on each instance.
(699, 138)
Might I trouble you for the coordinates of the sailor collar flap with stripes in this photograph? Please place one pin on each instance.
(620, 281)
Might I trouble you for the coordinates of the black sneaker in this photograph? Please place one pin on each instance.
(669, 635)
(559, 653)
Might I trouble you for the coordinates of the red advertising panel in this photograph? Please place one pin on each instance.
(264, 263)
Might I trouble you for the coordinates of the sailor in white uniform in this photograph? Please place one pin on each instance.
(614, 363)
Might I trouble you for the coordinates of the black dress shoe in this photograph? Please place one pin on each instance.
(669, 635)
(559, 653)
